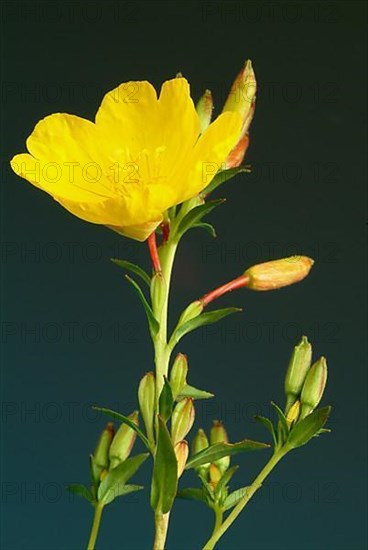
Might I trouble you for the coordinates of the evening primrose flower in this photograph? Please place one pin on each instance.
(142, 155)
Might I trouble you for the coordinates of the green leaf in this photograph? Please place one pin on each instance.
(219, 450)
(204, 319)
(122, 490)
(165, 472)
(81, 491)
(112, 485)
(195, 215)
(133, 268)
(307, 428)
(193, 494)
(224, 480)
(127, 421)
(234, 497)
(223, 176)
(283, 431)
(268, 425)
(166, 401)
(152, 321)
(194, 393)
(207, 227)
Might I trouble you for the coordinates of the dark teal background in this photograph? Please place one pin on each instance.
(72, 331)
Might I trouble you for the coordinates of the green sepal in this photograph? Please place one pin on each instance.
(307, 428)
(207, 227)
(152, 321)
(194, 393)
(234, 497)
(166, 401)
(225, 480)
(165, 472)
(126, 420)
(221, 177)
(195, 215)
(268, 425)
(193, 494)
(129, 266)
(95, 470)
(283, 428)
(113, 484)
(81, 491)
(207, 487)
(219, 450)
(204, 319)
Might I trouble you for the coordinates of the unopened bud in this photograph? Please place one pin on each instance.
(204, 109)
(146, 399)
(200, 442)
(182, 419)
(313, 387)
(278, 273)
(181, 452)
(219, 435)
(215, 475)
(178, 374)
(293, 414)
(242, 95)
(101, 454)
(158, 290)
(123, 442)
(191, 312)
(299, 365)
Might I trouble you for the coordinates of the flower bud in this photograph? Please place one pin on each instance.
(242, 96)
(278, 273)
(123, 442)
(101, 454)
(178, 374)
(219, 435)
(204, 110)
(215, 475)
(191, 312)
(299, 365)
(182, 419)
(146, 399)
(181, 450)
(292, 415)
(200, 442)
(158, 290)
(313, 387)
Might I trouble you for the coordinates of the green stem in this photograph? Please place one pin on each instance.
(161, 526)
(218, 519)
(95, 526)
(257, 483)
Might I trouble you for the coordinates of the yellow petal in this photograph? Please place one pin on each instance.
(137, 232)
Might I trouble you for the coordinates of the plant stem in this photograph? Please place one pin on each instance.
(161, 526)
(95, 526)
(257, 483)
(218, 519)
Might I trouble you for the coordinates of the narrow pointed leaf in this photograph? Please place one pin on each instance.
(129, 266)
(223, 176)
(204, 319)
(165, 472)
(268, 425)
(152, 321)
(193, 494)
(234, 497)
(207, 227)
(112, 485)
(307, 428)
(166, 401)
(194, 393)
(219, 450)
(121, 490)
(81, 491)
(195, 215)
(127, 421)
(225, 479)
(283, 425)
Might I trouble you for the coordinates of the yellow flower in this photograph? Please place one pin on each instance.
(142, 155)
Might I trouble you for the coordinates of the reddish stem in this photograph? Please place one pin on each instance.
(239, 282)
(152, 245)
